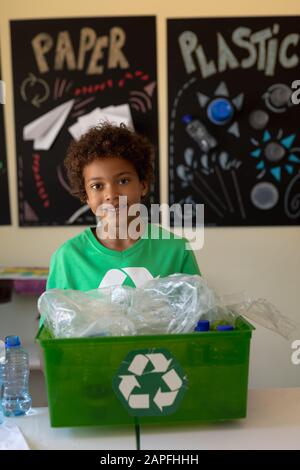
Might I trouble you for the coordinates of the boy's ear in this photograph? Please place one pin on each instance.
(145, 188)
(86, 200)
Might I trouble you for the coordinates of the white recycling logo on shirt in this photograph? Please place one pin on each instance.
(150, 383)
(116, 277)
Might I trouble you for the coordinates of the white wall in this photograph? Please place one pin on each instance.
(265, 261)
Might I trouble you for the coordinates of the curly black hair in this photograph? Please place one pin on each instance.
(108, 140)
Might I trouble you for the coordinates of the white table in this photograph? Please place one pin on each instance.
(273, 422)
(38, 433)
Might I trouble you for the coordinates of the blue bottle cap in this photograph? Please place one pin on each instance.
(225, 327)
(202, 325)
(187, 118)
(220, 110)
(12, 341)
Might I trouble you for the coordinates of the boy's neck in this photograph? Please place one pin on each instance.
(118, 244)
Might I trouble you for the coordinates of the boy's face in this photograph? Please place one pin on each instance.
(106, 180)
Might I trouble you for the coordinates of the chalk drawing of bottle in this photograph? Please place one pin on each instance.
(199, 133)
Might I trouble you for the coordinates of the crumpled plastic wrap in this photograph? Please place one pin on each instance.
(173, 304)
(73, 313)
(262, 312)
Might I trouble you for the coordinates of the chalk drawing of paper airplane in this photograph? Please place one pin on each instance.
(121, 113)
(81, 126)
(114, 114)
(45, 129)
(75, 131)
(89, 120)
(117, 114)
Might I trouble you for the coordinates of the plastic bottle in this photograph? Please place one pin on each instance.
(2, 361)
(16, 398)
(199, 133)
(202, 325)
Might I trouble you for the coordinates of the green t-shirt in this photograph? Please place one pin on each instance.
(83, 263)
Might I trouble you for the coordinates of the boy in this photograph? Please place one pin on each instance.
(107, 166)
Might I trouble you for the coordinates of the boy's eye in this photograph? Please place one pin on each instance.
(124, 180)
(96, 186)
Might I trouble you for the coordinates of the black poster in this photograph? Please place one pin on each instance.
(234, 113)
(4, 195)
(69, 74)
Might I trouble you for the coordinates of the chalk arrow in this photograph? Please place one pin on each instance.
(234, 129)
(221, 90)
(149, 89)
(238, 101)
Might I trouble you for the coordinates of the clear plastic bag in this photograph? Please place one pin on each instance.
(262, 312)
(173, 304)
(72, 313)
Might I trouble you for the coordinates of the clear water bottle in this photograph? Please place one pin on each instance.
(16, 399)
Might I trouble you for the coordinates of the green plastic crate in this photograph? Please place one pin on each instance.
(80, 373)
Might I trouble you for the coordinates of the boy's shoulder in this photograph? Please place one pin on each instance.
(72, 243)
(157, 232)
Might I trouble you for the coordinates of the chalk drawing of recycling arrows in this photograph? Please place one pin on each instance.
(33, 85)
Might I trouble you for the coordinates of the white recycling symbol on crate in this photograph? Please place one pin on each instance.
(150, 383)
